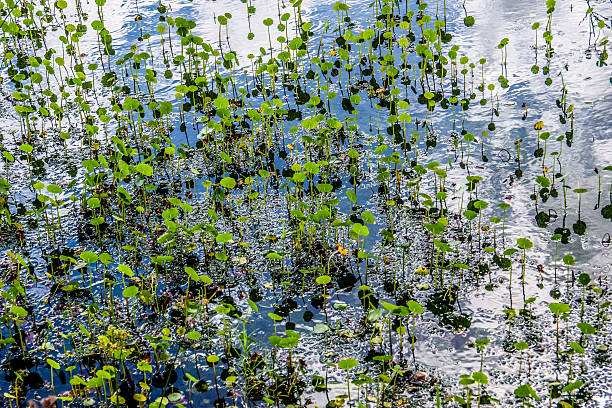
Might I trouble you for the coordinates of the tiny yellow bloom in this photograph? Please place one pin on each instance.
(290, 146)
(539, 125)
(333, 52)
(421, 270)
(341, 249)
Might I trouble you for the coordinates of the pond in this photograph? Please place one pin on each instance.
(305, 203)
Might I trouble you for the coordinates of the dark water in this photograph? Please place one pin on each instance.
(444, 348)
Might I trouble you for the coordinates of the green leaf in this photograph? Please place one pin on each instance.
(323, 279)
(165, 108)
(524, 243)
(325, 188)
(389, 306)
(568, 259)
(89, 257)
(223, 238)
(586, 328)
(442, 246)
(375, 314)
(53, 364)
(466, 381)
(347, 363)
(576, 347)
(130, 291)
(221, 102)
(573, 386)
(360, 230)
(170, 213)
(275, 317)
(606, 211)
(274, 255)
(521, 345)
(228, 182)
(368, 217)
(144, 169)
(480, 377)
(126, 270)
(54, 189)
(525, 391)
(131, 104)
(584, 279)
(351, 196)
(480, 204)
(559, 308)
(165, 238)
(415, 307)
(192, 274)
(469, 214)
(194, 335)
(253, 305)
(320, 328)
(19, 311)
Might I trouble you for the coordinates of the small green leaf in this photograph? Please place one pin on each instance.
(573, 386)
(415, 307)
(525, 391)
(323, 279)
(54, 189)
(559, 308)
(347, 363)
(53, 364)
(320, 328)
(223, 238)
(586, 328)
(351, 196)
(576, 347)
(192, 274)
(130, 291)
(194, 335)
(144, 169)
(521, 345)
(19, 311)
(524, 243)
(480, 377)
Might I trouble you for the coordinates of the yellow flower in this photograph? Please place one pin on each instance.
(421, 270)
(341, 249)
(333, 52)
(290, 146)
(539, 125)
